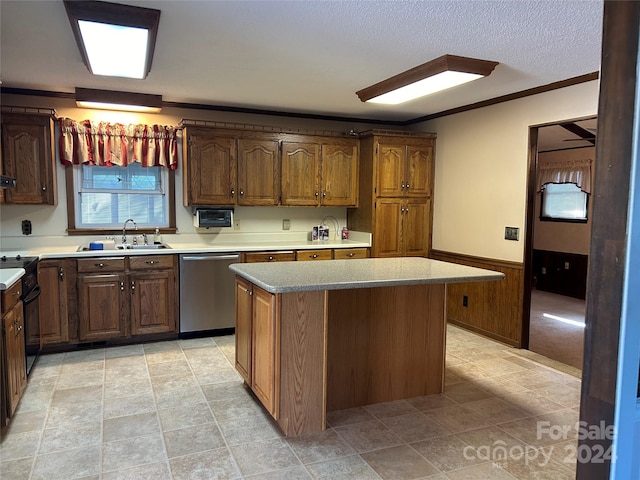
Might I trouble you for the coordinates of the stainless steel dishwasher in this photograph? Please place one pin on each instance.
(207, 292)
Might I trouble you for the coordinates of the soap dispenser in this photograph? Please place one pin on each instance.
(157, 238)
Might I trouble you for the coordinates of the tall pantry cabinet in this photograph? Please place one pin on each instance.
(396, 186)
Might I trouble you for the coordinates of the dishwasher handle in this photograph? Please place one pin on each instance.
(210, 257)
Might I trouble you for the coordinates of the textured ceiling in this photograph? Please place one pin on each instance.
(312, 56)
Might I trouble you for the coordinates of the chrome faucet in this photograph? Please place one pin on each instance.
(124, 229)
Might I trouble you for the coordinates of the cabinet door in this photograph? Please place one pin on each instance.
(258, 172)
(52, 308)
(265, 350)
(310, 255)
(244, 299)
(153, 307)
(300, 174)
(419, 167)
(387, 231)
(391, 170)
(340, 175)
(102, 306)
(212, 170)
(415, 227)
(15, 356)
(27, 155)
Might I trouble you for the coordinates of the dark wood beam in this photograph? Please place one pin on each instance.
(580, 132)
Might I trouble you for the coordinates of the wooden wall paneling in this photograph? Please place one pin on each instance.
(494, 308)
(303, 362)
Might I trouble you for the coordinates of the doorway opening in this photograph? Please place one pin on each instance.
(561, 158)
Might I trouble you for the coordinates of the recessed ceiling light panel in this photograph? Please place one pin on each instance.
(440, 74)
(114, 39)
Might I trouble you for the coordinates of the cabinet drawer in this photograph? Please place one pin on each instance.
(150, 262)
(101, 264)
(348, 253)
(252, 257)
(11, 296)
(306, 255)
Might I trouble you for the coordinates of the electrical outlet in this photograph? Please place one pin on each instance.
(286, 224)
(566, 265)
(511, 233)
(26, 227)
(236, 224)
(543, 270)
(465, 301)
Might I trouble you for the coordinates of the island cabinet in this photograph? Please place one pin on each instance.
(126, 297)
(14, 373)
(310, 340)
(53, 301)
(395, 185)
(257, 335)
(28, 155)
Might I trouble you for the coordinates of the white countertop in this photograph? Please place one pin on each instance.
(9, 276)
(177, 248)
(282, 277)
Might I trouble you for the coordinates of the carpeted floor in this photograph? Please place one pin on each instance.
(552, 337)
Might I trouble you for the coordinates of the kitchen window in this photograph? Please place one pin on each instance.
(107, 196)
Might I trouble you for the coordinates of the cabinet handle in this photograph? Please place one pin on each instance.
(133, 286)
(269, 258)
(241, 192)
(324, 194)
(44, 189)
(350, 254)
(402, 186)
(150, 262)
(100, 265)
(401, 209)
(316, 194)
(16, 293)
(407, 186)
(315, 255)
(233, 192)
(61, 273)
(122, 286)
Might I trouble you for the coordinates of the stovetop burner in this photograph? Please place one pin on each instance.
(17, 261)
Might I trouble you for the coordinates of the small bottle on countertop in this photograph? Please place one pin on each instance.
(157, 238)
(345, 233)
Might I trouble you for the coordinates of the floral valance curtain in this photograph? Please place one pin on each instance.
(108, 144)
(572, 171)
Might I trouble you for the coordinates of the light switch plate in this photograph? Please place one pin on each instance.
(286, 224)
(511, 233)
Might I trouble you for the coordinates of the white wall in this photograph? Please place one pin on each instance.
(481, 169)
(50, 222)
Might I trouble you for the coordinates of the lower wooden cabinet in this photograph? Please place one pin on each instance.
(122, 297)
(53, 304)
(286, 256)
(257, 346)
(309, 255)
(14, 356)
(402, 227)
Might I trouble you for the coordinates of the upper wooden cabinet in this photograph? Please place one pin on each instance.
(258, 172)
(209, 168)
(395, 185)
(403, 170)
(320, 174)
(256, 167)
(28, 155)
(300, 174)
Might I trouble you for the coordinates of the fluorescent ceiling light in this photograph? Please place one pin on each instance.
(112, 100)
(114, 39)
(434, 76)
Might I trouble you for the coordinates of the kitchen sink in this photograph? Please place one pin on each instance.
(127, 246)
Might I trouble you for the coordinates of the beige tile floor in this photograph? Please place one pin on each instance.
(178, 410)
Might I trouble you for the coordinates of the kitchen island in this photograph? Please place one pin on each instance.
(313, 337)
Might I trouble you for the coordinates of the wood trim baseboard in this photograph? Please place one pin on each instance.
(462, 257)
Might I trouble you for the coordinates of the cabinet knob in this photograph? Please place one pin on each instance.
(241, 192)
(269, 258)
(61, 273)
(133, 286)
(99, 265)
(407, 186)
(44, 189)
(324, 194)
(315, 255)
(122, 286)
(233, 192)
(350, 254)
(150, 262)
(402, 185)
(316, 194)
(16, 293)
